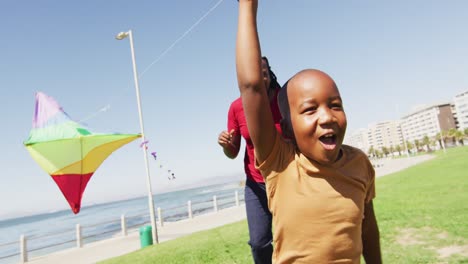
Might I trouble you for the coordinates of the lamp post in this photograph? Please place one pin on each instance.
(404, 141)
(120, 36)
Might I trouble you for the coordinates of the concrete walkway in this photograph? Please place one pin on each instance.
(388, 166)
(105, 249)
(109, 248)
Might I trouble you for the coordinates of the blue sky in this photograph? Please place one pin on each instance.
(386, 56)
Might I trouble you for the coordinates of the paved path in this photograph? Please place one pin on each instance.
(109, 248)
(102, 250)
(388, 166)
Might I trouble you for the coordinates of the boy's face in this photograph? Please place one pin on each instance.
(317, 116)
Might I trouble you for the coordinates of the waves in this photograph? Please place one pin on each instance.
(50, 232)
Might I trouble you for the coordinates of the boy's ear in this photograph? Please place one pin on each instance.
(286, 129)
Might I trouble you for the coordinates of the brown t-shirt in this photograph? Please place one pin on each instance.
(317, 210)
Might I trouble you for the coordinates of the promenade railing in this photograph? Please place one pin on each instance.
(38, 245)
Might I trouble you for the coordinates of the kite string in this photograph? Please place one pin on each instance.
(170, 173)
(103, 109)
(92, 115)
(180, 38)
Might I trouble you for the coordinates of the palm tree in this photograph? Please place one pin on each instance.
(392, 150)
(442, 138)
(378, 154)
(371, 151)
(385, 151)
(459, 136)
(465, 132)
(417, 145)
(433, 143)
(398, 148)
(409, 145)
(451, 134)
(438, 138)
(427, 141)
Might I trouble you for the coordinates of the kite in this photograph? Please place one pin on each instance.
(66, 150)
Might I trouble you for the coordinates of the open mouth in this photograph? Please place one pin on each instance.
(328, 141)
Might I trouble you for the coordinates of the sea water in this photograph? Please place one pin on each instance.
(50, 232)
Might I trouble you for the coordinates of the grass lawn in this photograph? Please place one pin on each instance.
(226, 244)
(422, 214)
(423, 211)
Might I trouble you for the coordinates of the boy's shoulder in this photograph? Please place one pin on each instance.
(351, 151)
(357, 158)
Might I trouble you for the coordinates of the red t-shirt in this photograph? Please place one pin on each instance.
(236, 121)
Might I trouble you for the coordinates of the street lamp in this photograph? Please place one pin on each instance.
(121, 36)
(404, 141)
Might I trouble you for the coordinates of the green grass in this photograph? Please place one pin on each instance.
(226, 244)
(420, 210)
(424, 209)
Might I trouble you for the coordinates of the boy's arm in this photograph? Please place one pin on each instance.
(370, 236)
(251, 85)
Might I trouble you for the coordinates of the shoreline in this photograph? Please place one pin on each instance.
(118, 246)
(65, 208)
(121, 245)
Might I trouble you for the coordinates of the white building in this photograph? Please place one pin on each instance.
(385, 134)
(358, 139)
(461, 108)
(427, 121)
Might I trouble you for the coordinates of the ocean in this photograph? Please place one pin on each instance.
(51, 232)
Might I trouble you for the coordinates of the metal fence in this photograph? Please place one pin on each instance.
(33, 246)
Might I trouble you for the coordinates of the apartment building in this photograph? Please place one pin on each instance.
(461, 110)
(358, 139)
(385, 134)
(427, 121)
(382, 134)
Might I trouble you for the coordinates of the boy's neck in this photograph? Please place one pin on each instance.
(338, 158)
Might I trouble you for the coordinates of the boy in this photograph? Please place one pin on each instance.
(319, 191)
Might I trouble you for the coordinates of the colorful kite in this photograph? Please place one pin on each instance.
(66, 150)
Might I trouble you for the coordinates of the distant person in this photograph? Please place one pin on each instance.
(319, 191)
(258, 215)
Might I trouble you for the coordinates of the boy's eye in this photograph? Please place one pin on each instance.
(336, 106)
(310, 110)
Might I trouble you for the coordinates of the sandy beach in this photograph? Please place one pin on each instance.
(98, 251)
